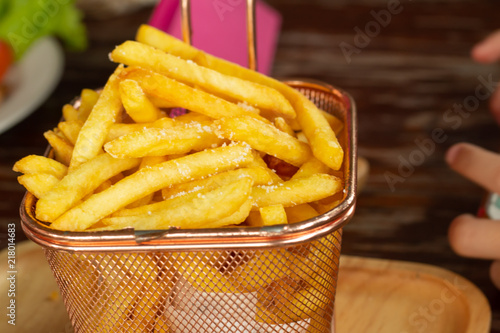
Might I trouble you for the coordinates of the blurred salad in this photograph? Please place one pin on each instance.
(22, 22)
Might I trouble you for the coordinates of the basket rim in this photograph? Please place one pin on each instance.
(174, 239)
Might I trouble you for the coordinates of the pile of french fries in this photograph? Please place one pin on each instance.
(242, 148)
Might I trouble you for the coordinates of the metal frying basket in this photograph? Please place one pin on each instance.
(244, 279)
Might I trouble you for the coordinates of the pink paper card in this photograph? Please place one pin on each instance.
(219, 27)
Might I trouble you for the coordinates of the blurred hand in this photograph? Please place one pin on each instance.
(487, 52)
(471, 236)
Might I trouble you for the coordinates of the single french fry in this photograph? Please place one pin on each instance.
(145, 163)
(88, 99)
(254, 219)
(194, 213)
(38, 184)
(70, 129)
(259, 176)
(78, 183)
(70, 113)
(323, 207)
(335, 123)
(185, 96)
(297, 191)
(119, 129)
(133, 53)
(63, 150)
(136, 103)
(283, 126)
(150, 180)
(189, 117)
(154, 141)
(234, 219)
(300, 213)
(264, 137)
(40, 164)
(311, 167)
(152, 36)
(273, 215)
(161, 103)
(321, 137)
(95, 129)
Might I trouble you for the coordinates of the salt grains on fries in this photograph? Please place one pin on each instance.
(249, 150)
(317, 129)
(265, 138)
(254, 94)
(94, 131)
(149, 180)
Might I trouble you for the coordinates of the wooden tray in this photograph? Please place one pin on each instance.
(373, 296)
(387, 296)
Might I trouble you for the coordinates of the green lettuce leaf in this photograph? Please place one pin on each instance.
(22, 22)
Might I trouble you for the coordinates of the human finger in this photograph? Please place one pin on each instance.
(488, 50)
(475, 237)
(477, 164)
(495, 105)
(495, 273)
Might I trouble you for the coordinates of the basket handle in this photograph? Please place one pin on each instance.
(251, 28)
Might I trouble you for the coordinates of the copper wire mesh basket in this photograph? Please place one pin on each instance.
(244, 279)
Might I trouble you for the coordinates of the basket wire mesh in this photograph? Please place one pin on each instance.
(289, 289)
(248, 280)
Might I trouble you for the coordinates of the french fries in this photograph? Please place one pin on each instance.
(136, 103)
(155, 141)
(40, 164)
(77, 184)
(192, 212)
(137, 54)
(265, 138)
(297, 191)
(311, 119)
(94, 131)
(246, 151)
(149, 180)
(119, 156)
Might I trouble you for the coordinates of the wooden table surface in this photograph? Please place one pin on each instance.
(406, 79)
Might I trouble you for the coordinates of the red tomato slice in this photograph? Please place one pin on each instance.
(6, 58)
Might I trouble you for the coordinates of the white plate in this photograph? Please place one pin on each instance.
(33, 79)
